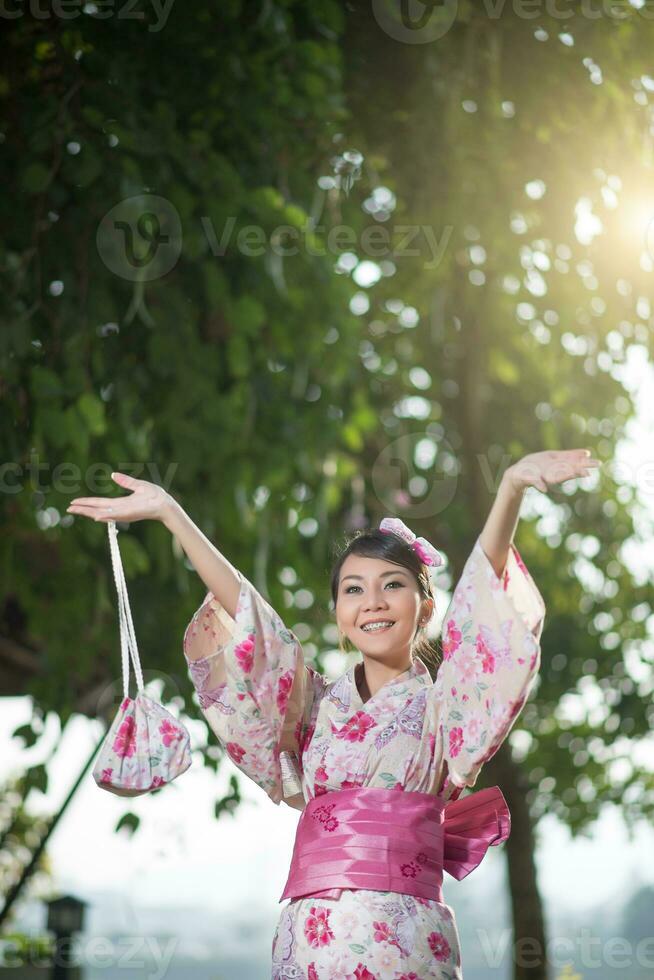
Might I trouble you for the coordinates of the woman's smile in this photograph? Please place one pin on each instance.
(378, 629)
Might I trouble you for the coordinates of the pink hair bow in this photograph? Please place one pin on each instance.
(425, 551)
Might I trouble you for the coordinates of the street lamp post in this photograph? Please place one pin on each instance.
(65, 916)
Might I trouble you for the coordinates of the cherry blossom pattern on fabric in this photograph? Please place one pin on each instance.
(252, 685)
(260, 698)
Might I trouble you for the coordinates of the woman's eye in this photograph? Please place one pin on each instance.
(394, 582)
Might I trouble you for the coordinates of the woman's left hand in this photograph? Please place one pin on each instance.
(543, 469)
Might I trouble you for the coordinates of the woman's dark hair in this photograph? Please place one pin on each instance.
(372, 543)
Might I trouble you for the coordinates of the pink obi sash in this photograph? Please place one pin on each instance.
(378, 839)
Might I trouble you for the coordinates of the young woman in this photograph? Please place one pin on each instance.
(378, 758)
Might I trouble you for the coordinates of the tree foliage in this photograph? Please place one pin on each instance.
(513, 137)
(231, 379)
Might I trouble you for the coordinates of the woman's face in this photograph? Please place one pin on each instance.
(372, 590)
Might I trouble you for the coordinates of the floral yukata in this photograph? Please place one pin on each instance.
(261, 700)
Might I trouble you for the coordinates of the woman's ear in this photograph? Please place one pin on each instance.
(427, 611)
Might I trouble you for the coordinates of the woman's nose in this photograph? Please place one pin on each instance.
(375, 602)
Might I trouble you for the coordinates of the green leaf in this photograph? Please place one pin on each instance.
(135, 558)
(36, 777)
(129, 822)
(53, 425)
(44, 50)
(266, 199)
(216, 287)
(88, 166)
(238, 356)
(295, 216)
(503, 369)
(45, 383)
(248, 314)
(35, 178)
(352, 437)
(229, 802)
(92, 410)
(27, 733)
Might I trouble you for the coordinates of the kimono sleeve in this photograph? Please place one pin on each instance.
(491, 656)
(253, 687)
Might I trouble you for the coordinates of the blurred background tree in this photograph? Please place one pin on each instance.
(526, 324)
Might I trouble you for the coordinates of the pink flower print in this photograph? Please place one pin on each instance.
(409, 976)
(363, 973)
(349, 784)
(422, 858)
(317, 929)
(244, 653)
(283, 690)
(452, 640)
(319, 790)
(456, 741)
(323, 813)
(235, 752)
(156, 781)
(439, 945)
(474, 726)
(125, 741)
(355, 728)
(399, 787)
(409, 870)
(106, 775)
(321, 774)
(313, 973)
(432, 744)
(467, 666)
(169, 732)
(382, 933)
(125, 704)
(488, 660)
(519, 561)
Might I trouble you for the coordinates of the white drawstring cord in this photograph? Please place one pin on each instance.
(127, 636)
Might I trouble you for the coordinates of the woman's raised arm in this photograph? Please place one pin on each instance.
(537, 470)
(147, 501)
(216, 572)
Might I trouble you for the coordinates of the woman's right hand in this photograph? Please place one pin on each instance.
(146, 502)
